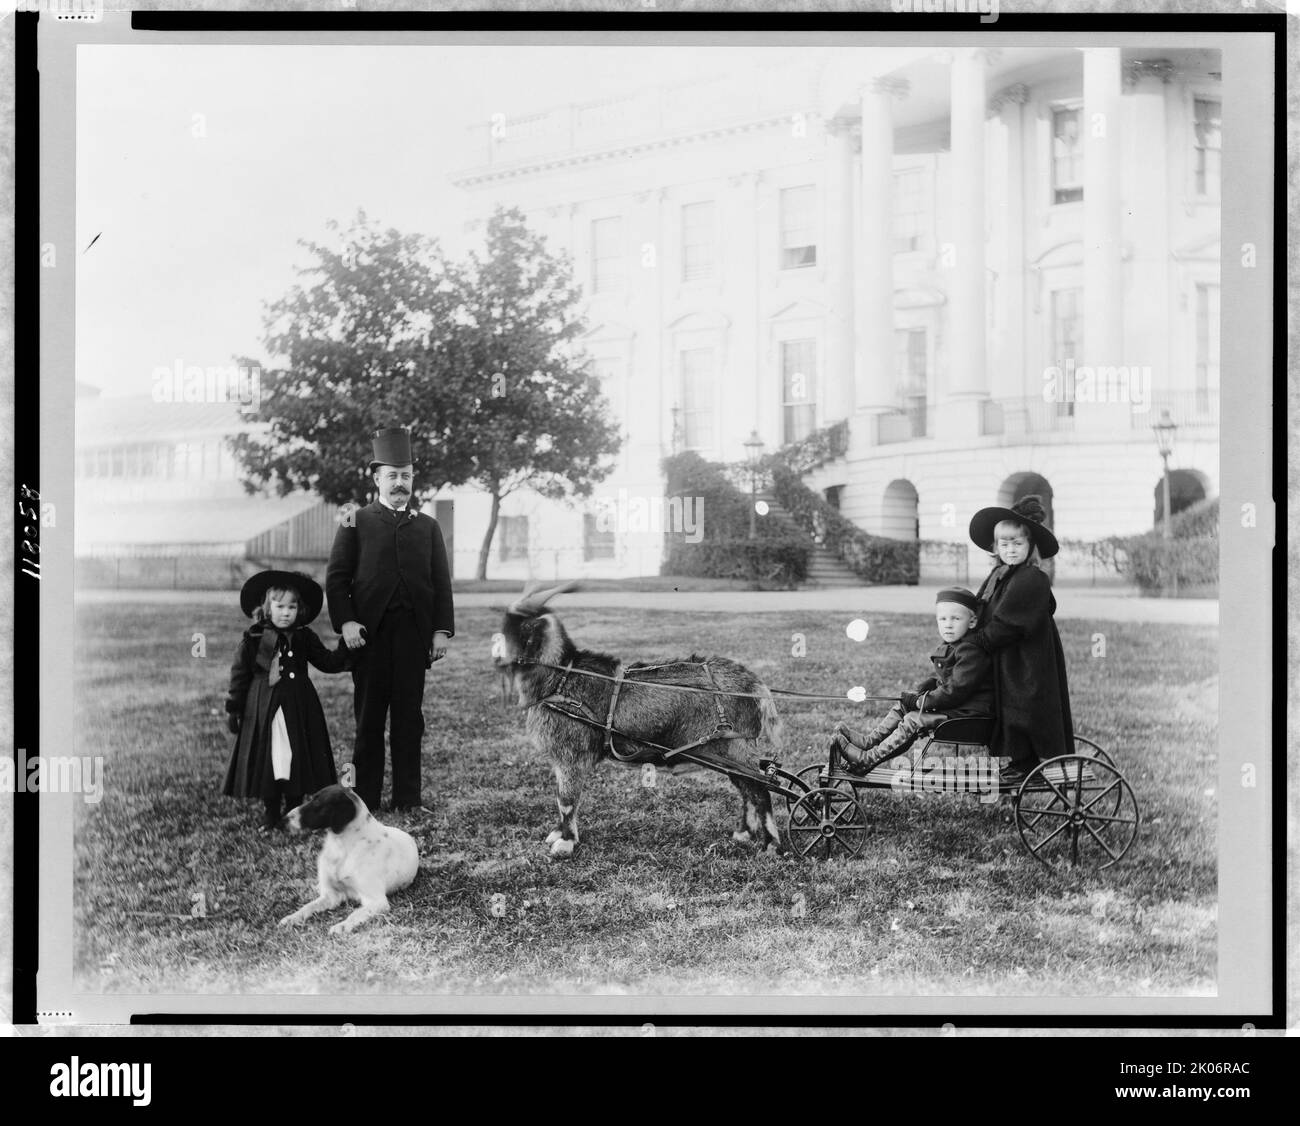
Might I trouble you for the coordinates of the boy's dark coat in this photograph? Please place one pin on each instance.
(254, 699)
(963, 680)
(1030, 689)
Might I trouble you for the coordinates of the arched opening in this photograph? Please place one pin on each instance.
(1186, 487)
(899, 515)
(1020, 485)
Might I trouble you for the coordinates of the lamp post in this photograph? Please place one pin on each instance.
(753, 454)
(1164, 432)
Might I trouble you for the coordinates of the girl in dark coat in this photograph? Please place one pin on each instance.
(283, 749)
(1031, 694)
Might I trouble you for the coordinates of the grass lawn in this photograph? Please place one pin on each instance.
(658, 898)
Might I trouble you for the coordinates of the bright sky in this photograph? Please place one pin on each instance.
(196, 232)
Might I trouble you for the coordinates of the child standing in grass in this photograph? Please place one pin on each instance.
(1030, 692)
(283, 747)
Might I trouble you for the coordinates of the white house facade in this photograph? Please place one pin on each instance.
(998, 267)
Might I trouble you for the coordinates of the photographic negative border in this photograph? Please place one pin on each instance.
(1252, 911)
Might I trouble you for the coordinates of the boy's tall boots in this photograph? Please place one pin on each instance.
(848, 742)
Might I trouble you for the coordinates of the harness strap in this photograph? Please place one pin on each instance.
(609, 719)
(724, 724)
(668, 752)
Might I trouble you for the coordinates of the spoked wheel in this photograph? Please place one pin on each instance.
(1076, 810)
(1090, 749)
(809, 777)
(1087, 747)
(796, 782)
(825, 823)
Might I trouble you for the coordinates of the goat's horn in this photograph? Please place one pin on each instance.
(534, 600)
(526, 602)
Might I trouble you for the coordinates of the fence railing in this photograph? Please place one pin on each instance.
(904, 425)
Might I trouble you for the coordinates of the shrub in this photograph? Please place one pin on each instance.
(1188, 562)
(768, 563)
(774, 559)
(874, 559)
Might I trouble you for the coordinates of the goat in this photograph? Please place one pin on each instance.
(534, 648)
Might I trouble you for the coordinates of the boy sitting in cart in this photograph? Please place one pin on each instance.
(962, 686)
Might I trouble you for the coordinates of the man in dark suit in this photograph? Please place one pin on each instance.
(389, 591)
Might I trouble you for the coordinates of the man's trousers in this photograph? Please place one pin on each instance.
(389, 682)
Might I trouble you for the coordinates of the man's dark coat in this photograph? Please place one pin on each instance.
(381, 549)
(1030, 689)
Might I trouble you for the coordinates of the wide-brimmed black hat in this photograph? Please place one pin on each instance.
(254, 592)
(1028, 511)
(391, 447)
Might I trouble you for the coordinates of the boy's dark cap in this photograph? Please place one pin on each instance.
(960, 595)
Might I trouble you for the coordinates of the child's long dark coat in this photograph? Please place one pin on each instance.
(252, 696)
(1030, 690)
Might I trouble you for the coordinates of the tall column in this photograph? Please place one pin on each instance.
(1103, 293)
(874, 379)
(1007, 378)
(1147, 153)
(959, 415)
(842, 137)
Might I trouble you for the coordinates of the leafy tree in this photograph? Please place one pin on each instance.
(540, 420)
(363, 346)
(479, 359)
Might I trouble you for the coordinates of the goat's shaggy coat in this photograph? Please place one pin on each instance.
(532, 639)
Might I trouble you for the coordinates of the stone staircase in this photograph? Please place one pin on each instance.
(825, 569)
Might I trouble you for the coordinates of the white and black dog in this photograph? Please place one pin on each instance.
(361, 859)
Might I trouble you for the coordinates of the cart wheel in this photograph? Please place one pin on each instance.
(1076, 810)
(1087, 747)
(826, 822)
(1090, 749)
(809, 777)
(795, 782)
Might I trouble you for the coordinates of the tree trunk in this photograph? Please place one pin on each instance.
(487, 539)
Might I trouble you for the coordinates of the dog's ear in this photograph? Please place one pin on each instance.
(341, 810)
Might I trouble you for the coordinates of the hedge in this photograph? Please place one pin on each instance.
(1188, 562)
(874, 559)
(774, 559)
(768, 563)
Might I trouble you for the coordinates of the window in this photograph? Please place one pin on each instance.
(1207, 143)
(607, 258)
(1207, 346)
(1067, 156)
(909, 209)
(697, 397)
(1067, 342)
(798, 389)
(910, 365)
(798, 227)
(514, 538)
(609, 370)
(698, 252)
(596, 544)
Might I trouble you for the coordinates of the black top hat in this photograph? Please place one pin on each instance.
(254, 592)
(960, 595)
(391, 447)
(1028, 511)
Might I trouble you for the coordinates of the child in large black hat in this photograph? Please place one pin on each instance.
(283, 747)
(1015, 627)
